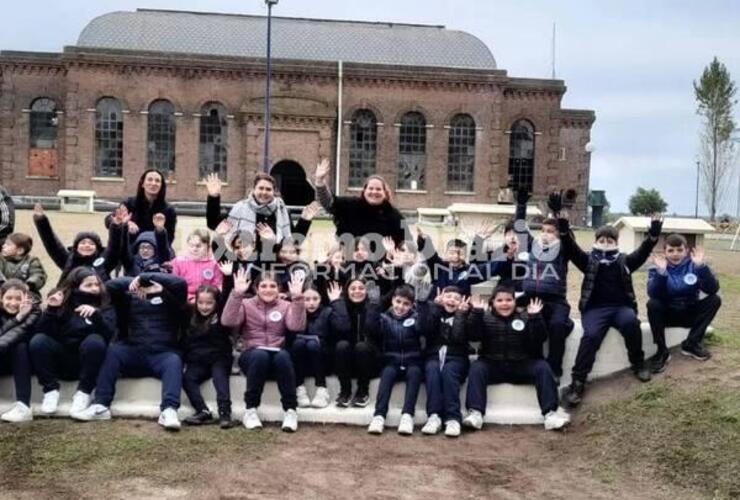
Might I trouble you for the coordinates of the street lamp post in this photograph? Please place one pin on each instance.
(696, 204)
(266, 161)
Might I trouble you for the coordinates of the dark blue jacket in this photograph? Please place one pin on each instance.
(438, 331)
(518, 337)
(318, 325)
(680, 285)
(133, 264)
(399, 338)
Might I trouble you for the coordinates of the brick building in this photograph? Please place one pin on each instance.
(423, 106)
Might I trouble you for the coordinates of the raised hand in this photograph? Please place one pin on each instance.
(438, 297)
(265, 232)
(555, 202)
(38, 210)
(241, 282)
(224, 227)
(322, 172)
(388, 244)
(295, 286)
(135, 288)
(697, 256)
(373, 291)
(522, 196)
(485, 230)
(656, 225)
(422, 291)
(660, 262)
(85, 310)
(133, 228)
(334, 291)
(226, 267)
(159, 220)
(535, 306)
(310, 210)
(464, 305)
(26, 307)
(476, 302)
(213, 185)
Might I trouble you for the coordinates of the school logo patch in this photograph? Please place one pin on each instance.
(207, 274)
(409, 322)
(98, 262)
(462, 276)
(299, 274)
(88, 322)
(517, 325)
(690, 279)
(156, 301)
(275, 316)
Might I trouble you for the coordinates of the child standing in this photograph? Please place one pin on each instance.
(198, 267)
(683, 292)
(18, 314)
(16, 262)
(263, 322)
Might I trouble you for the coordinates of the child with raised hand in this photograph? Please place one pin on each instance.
(510, 352)
(149, 251)
(289, 264)
(17, 262)
(73, 335)
(331, 270)
(18, 314)
(311, 347)
(607, 300)
(207, 353)
(198, 267)
(263, 322)
(398, 334)
(683, 292)
(87, 249)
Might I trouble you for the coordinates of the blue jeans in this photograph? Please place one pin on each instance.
(391, 374)
(125, 360)
(443, 386)
(257, 365)
(53, 360)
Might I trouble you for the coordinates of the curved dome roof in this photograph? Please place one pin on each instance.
(292, 38)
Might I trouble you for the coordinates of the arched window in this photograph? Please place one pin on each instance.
(412, 151)
(362, 147)
(108, 138)
(521, 156)
(161, 137)
(461, 154)
(213, 140)
(43, 124)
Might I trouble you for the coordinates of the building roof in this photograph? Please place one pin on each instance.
(670, 225)
(292, 38)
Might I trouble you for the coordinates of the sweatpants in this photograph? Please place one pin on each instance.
(596, 323)
(412, 374)
(126, 360)
(484, 373)
(17, 362)
(355, 360)
(697, 317)
(443, 386)
(52, 360)
(258, 365)
(197, 373)
(308, 359)
(556, 314)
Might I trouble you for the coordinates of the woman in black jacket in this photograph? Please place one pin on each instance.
(73, 335)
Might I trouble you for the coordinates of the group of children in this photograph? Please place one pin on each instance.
(406, 316)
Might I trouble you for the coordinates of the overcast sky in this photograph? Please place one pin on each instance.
(633, 62)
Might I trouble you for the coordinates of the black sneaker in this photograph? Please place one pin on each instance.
(573, 394)
(696, 352)
(343, 401)
(642, 372)
(199, 418)
(360, 400)
(225, 422)
(658, 362)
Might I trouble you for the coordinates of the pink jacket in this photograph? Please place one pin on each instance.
(263, 324)
(196, 273)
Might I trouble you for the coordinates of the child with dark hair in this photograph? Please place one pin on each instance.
(17, 262)
(18, 314)
(607, 300)
(148, 252)
(683, 292)
(510, 352)
(331, 270)
(398, 335)
(73, 335)
(207, 353)
(289, 265)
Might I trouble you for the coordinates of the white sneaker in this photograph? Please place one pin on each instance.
(321, 399)
(377, 424)
(251, 420)
(50, 402)
(18, 413)
(301, 395)
(406, 425)
(556, 420)
(474, 420)
(92, 412)
(433, 425)
(80, 401)
(168, 419)
(290, 421)
(452, 428)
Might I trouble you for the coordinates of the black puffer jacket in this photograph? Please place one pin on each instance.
(206, 340)
(351, 321)
(318, 325)
(438, 331)
(515, 338)
(13, 331)
(69, 328)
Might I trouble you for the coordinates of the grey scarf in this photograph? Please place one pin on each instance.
(243, 217)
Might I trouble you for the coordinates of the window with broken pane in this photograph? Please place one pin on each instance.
(43, 124)
(213, 140)
(362, 147)
(521, 156)
(412, 148)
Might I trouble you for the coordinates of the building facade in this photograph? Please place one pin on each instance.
(422, 106)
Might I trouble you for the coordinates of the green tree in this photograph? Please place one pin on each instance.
(715, 98)
(647, 202)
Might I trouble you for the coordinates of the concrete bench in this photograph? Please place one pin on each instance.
(507, 403)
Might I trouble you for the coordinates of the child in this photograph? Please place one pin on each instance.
(398, 333)
(355, 354)
(151, 308)
(87, 249)
(445, 361)
(683, 292)
(73, 335)
(510, 352)
(198, 267)
(607, 300)
(263, 322)
(289, 264)
(332, 270)
(311, 347)
(18, 314)
(207, 352)
(149, 251)
(16, 262)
